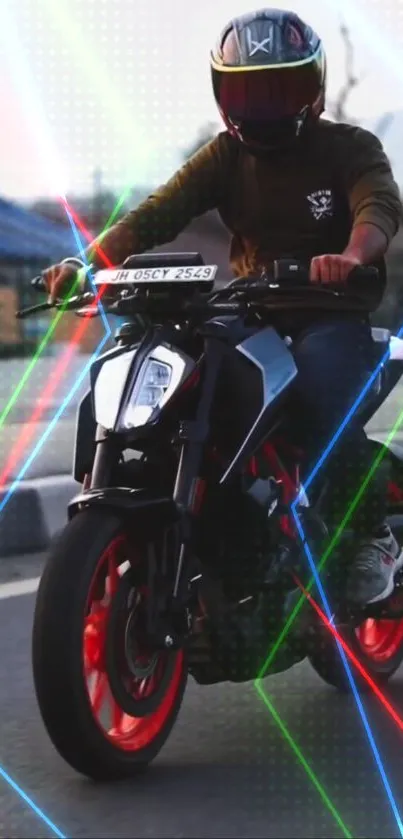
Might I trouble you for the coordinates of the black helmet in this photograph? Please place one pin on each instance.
(269, 78)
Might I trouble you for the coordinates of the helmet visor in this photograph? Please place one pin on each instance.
(268, 95)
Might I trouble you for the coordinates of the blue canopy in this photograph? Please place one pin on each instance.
(25, 235)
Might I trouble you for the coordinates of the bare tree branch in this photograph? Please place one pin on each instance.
(338, 108)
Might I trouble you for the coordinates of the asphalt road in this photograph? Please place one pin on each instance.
(227, 770)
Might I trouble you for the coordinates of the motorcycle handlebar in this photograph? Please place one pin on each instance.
(284, 270)
(288, 275)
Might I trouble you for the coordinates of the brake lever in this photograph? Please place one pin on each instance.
(38, 284)
(75, 302)
(32, 310)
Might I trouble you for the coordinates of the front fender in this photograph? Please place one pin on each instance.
(126, 502)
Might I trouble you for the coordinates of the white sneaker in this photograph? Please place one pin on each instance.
(372, 574)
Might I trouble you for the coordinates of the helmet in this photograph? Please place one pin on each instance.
(269, 78)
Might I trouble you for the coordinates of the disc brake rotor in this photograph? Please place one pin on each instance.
(138, 675)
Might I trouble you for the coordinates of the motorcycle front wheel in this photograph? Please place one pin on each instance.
(75, 601)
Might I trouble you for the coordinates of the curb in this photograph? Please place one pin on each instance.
(34, 514)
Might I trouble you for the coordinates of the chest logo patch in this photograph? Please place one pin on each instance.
(321, 203)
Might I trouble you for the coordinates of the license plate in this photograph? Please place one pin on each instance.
(130, 276)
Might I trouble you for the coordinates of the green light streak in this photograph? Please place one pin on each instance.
(87, 61)
(258, 681)
(305, 765)
(46, 338)
(325, 556)
(110, 95)
(42, 346)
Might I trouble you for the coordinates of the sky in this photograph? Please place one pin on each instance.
(125, 84)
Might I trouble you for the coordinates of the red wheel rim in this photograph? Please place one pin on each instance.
(125, 732)
(380, 640)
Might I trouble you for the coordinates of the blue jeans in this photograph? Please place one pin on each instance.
(335, 357)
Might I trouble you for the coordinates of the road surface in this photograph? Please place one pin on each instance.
(227, 771)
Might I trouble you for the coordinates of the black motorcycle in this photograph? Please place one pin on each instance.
(181, 553)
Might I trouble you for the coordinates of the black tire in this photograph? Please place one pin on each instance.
(58, 659)
(326, 660)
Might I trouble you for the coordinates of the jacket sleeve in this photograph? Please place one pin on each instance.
(196, 188)
(373, 194)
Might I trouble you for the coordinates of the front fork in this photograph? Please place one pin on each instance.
(86, 485)
(172, 624)
(189, 488)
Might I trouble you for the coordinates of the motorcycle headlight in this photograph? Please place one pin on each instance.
(161, 375)
(149, 392)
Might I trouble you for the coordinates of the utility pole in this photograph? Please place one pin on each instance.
(97, 185)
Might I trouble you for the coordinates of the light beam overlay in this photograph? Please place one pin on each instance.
(37, 448)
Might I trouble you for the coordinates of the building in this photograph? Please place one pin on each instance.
(28, 244)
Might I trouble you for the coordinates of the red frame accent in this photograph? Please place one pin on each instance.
(191, 381)
(289, 482)
(395, 493)
(198, 495)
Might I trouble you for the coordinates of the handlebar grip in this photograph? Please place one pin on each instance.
(363, 278)
(365, 271)
(38, 283)
(32, 310)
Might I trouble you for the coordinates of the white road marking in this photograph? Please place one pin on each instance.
(16, 589)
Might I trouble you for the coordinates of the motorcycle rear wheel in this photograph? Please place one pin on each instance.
(85, 723)
(376, 644)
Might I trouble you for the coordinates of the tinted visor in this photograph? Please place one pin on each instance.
(268, 95)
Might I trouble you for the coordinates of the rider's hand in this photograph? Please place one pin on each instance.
(59, 280)
(332, 268)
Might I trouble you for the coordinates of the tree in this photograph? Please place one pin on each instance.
(94, 211)
(51, 209)
(337, 109)
(206, 133)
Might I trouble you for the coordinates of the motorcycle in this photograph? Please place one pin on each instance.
(181, 555)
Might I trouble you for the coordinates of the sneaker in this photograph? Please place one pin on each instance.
(372, 575)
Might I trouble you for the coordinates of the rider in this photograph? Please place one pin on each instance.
(287, 182)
